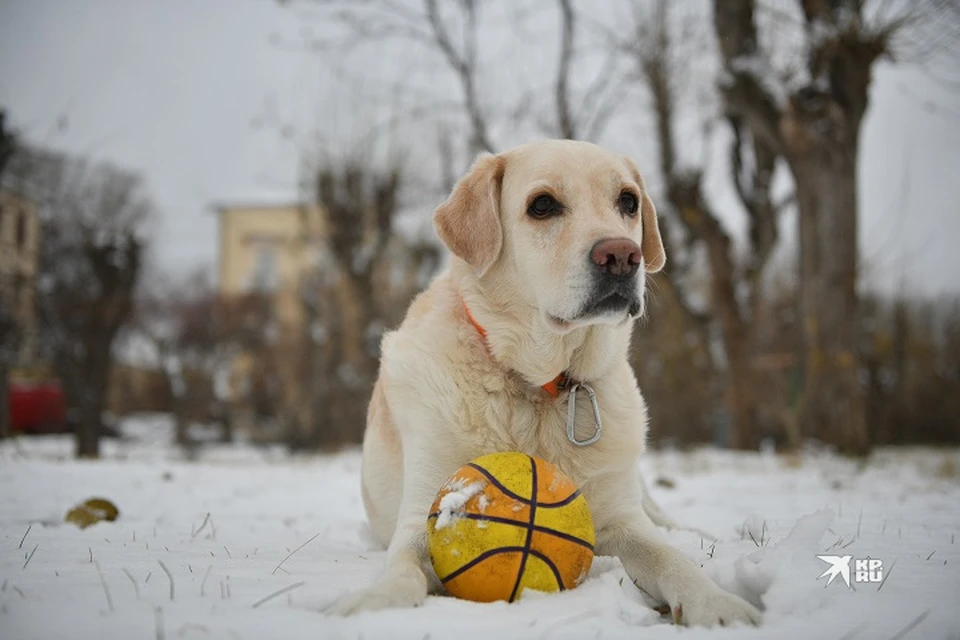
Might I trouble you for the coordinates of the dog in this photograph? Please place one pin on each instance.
(551, 244)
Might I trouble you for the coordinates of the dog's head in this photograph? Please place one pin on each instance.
(567, 224)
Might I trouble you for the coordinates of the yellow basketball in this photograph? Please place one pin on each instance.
(506, 522)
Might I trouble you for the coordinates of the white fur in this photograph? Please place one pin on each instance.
(445, 395)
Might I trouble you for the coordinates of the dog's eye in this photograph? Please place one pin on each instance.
(543, 206)
(628, 203)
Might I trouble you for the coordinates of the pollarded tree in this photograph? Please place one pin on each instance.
(810, 111)
(94, 221)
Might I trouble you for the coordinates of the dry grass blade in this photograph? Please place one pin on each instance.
(25, 534)
(30, 557)
(289, 555)
(854, 632)
(203, 583)
(158, 613)
(280, 592)
(886, 574)
(103, 583)
(911, 625)
(136, 587)
(169, 577)
(203, 525)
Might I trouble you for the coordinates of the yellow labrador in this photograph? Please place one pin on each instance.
(550, 241)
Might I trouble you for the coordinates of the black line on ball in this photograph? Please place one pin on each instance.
(489, 476)
(563, 536)
(519, 523)
(553, 567)
(498, 485)
(480, 558)
(560, 503)
(486, 518)
(533, 514)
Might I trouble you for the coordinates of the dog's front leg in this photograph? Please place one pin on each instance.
(665, 574)
(403, 582)
(408, 572)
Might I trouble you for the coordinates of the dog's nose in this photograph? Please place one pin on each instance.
(616, 256)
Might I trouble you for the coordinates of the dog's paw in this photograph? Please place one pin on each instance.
(711, 607)
(390, 592)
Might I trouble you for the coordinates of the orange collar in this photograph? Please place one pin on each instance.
(554, 387)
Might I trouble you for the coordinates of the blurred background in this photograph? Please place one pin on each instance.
(215, 210)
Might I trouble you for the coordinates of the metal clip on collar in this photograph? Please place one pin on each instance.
(572, 412)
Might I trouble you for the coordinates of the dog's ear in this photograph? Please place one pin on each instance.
(654, 255)
(469, 221)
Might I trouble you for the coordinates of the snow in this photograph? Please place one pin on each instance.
(759, 66)
(453, 504)
(278, 522)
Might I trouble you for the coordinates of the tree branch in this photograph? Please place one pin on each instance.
(565, 119)
(743, 92)
(464, 65)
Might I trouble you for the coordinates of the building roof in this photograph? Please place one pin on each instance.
(250, 205)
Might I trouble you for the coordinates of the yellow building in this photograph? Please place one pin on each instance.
(263, 251)
(19, 267)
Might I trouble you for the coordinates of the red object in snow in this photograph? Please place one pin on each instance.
(37, 407)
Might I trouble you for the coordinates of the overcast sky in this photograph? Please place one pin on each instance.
(171, 88)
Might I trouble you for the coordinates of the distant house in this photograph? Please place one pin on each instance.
(19, 269)
(264, 252)
(264, 249)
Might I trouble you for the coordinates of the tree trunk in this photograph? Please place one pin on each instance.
(91, 394)
(181, 427)
(88, 432)
(817, 131)
(741, 392)
(5, 426)
(8, 351)
(832, 407)
(742, 404)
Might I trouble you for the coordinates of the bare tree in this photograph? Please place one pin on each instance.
(9, 340)
(811, 116)
(735, 290)
(247, 333)
(184, 321)
(451, 30)
(362, 277)
(94, 217)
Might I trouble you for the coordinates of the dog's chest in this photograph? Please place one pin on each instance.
(509, 415)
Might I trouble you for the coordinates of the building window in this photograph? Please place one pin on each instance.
(264, 277)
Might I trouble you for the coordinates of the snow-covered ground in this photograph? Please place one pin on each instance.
(293, 528)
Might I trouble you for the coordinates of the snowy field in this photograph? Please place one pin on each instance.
(293, 529)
